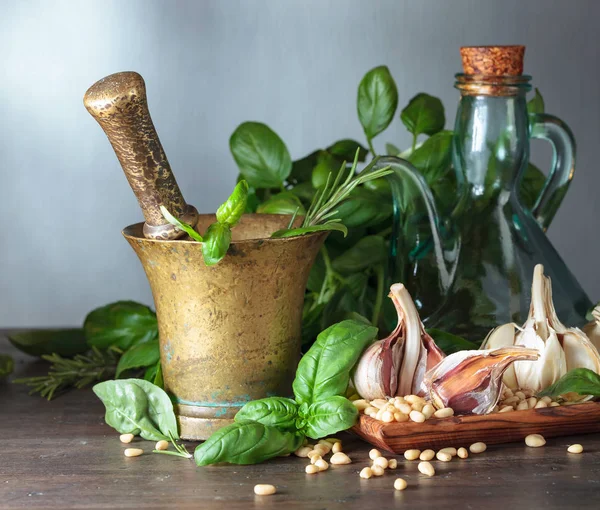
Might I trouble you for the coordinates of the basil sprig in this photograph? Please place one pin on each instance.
(579, 380)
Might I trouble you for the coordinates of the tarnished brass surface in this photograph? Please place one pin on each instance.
(118, 102)
(229, 333)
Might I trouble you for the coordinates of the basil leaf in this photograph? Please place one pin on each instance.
(326, 164)
(391, 150)
(424, 114)
(181, 225)
(450, 343)
(262, 157)
(330, 225)
(230, 212)
(121, 324)
(273, 411)
(216, 243)
(324, 371)
(329, 416)
(7, 365)
(364, 208)
(135, 406)
(532, 183)
(536, 104)
(246, 442)
(142, 355)
(64, 342)
(377, 100)
(434, 157)
(304, 191)
(282, 203)
(579, 380)
(346, 150)
(367, 252)
(158, 378)
(302, 168)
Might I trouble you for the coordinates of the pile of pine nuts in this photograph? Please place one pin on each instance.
(316, 453)
(519, 400)
(401, 409)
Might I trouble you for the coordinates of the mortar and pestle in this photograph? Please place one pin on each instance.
(228, 333)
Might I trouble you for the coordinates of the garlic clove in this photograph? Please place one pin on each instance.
(503, 336)
(470, 382)
(592, 329)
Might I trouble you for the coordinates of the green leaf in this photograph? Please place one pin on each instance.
(424, 114)
(135, 406)
(450, 343)
(282, 203)
(434, 157)
(324, 371)
(7, 365)
(302, 168)
(330, 225)
(40, 342)
(121, 324)
(277, 412)
(326, 165)
(317, 274)
(246, 442)
(580, 380)
(536, 104)
(364, 208)
(304, 191)
(345, 150)
(377, 101)
(231, 211)
(367, 252)
(532, 183)
(188, 229)
(143, 355)
(262, 157)
(391, 150)
(329, 416)
(158, 378)
(216, 243)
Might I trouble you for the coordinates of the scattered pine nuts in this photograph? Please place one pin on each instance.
(478, 448)
(462, 453)
(315, 458)
(126, 438)
(427, 455)
(531, 402)
(522, 405)
(575, 448)
(339, 458)
(535, 440)
(506, 409)
(361, 404)
(382, 462)
(303, 451)
(374, 453)
(387, 417)
(264, 489)
(400, 484)
(400, 417)
(520, 395)
(426, 468)
(444, 457)
(162, 445)
(412, 454)
(133, 452)
(553, 404)
(392, 464)
(377, 470)
(311, 469)
(325, 445)
(313, 453)
(337, 447)
(449, 450)
(548, 400)
(428, 411)
(417, 416)
(446, 412)
(404, 408)
(366, 473)
(322, 465)
(539, 404)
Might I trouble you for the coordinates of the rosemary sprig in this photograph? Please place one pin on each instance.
(181, 449)
(79, 371)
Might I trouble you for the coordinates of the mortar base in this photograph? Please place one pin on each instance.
(197, 423)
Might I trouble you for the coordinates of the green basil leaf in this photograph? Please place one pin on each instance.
(304, 191)
(364, 208)
(141, 355)
(345, 150)
(326, 165)
(536, 104)
(367, 252)
(317, 274)
(324, 371)
(158, 378)
(329, 416)
(262, 157)
(231, 211)
(277, 412)
(380, 186)
(450, 343)
(7, 365)
(434, 157)
(424, 114)
(377, 100)
(150, 373)
(216, 243)
(135, 406)
(579, 380)
(42, 342)
(188, 229)
(391, 149)
(330, 225)
(302, 168)
(532, 183)
(121, 324)
(282, 203)
(246, 442)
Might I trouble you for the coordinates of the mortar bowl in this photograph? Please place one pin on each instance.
(228, 333)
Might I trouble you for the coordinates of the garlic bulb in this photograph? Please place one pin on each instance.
(470, 382)
(397, 364)
(592, 329)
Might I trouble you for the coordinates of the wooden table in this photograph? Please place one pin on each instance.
(61, 454)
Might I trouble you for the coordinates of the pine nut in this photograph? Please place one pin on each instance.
(449, 450)
(522, 405)
(315, 458)
(548, 400)
(414, 399)
(370, 411)
(361, 404)
(379, 403)
(400, 417)
(508, 392)
(428, 411)
(374, 453)
(462, 453)
(506, 409)
(520, 394)
(126, 438)
(417, 406)
(478, 448)
(377, 470)
(379, 415)
(311, 469)
(528, 393)
(417, 416)
(322, 465)
(325, 445)
(311, 446)
(426, 468)
(427, 455)
(535, 440)
(412, 454)
(366, 473)
(382, 462)
(162, 445)
(264, 489)
(303, 451)
(531, 402)
(446, 412)
(444, 457)
(133, 452)
(404, 408)
(511, 400)
(400, 484)
(313, 453)
(392, 464)
(539, 404)
(554, 404)
(575, 448)
(337, 447)
(387, 417)
(339, 458)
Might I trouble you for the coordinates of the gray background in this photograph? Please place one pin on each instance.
(210, 65)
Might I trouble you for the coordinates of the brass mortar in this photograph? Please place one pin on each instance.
(229, 333)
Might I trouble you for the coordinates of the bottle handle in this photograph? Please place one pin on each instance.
(557, 133)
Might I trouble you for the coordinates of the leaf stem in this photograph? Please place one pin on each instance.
(414, 143)
(371, 148)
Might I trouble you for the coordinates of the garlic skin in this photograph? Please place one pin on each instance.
(470, 382)
(397, 364)
(592, 329)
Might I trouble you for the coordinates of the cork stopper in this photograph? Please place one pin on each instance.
(493, 60)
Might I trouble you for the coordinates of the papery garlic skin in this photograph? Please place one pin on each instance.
(592, 329)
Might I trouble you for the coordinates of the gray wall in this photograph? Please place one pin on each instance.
(210, 65)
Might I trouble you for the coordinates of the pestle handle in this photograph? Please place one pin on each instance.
(118, 102)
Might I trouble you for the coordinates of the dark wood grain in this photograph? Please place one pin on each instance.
(60, 454)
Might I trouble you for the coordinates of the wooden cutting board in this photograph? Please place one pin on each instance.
(491, 429)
